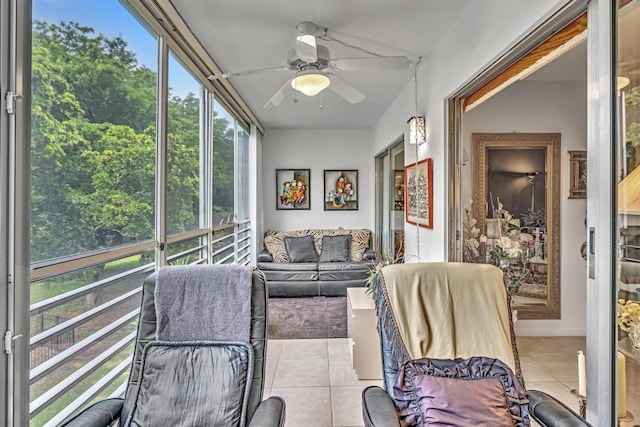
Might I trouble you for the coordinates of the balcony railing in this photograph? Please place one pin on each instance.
(84, 315)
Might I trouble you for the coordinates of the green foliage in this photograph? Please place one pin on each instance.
(223, 193)
(93, 146)
(632, 113)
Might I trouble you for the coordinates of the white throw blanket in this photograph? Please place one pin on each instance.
(446, 311)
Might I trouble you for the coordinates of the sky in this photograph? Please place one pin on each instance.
(112, 19)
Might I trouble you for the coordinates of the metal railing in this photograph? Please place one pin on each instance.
(93, 365)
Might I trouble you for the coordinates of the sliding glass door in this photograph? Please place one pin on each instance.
(627, 176)
(390, 202)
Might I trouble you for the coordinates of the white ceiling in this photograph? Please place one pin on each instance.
(245, 35)
(570, 67)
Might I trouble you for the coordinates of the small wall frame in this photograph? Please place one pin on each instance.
(418, 181)
(292, 189)
(578, 174)
(340, 190)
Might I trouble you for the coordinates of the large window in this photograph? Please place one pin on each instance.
(223, 159)
(94, 116)
(242, 171)
(94, 233)
(93, 162)
(183, 149)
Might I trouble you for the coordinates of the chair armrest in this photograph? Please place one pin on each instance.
(100, 414)
(550, 412)
(264, 256)
(269, 413)
(369, 255)
(378, 409)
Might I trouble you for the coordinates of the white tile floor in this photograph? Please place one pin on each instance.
(315, 377)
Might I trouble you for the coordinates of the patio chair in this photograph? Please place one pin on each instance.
(199, 355)
(449, 354)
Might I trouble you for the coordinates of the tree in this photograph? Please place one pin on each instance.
(93, 145)
(223, 178)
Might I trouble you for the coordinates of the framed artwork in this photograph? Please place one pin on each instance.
(340, 190)
(578, 174)
(292, 189)
(418, 178)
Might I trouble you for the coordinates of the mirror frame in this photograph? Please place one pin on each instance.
(516, 141)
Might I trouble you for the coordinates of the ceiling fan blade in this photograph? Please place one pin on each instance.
(305, 47)
(345, 90)
(371, 63)
(279, 96)
(246, 73)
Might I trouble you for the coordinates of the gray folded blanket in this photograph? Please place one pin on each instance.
(203, 302)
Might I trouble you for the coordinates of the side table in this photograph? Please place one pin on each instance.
(363, 335)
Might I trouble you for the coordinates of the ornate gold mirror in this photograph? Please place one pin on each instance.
(516, 202)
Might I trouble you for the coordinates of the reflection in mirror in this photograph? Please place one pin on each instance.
(516, 216)
(628, 218)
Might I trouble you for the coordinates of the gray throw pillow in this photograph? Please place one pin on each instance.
(301, 249)
(335, 248)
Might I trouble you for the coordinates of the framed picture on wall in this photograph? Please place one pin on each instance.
(340, 190)
(418, 178)
(578, 174)
(293, 189)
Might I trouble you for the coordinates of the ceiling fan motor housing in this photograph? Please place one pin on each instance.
(296, 63)
(308, 28)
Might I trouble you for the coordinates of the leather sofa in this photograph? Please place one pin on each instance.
(315, 278)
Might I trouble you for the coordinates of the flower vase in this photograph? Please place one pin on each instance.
(634, 338)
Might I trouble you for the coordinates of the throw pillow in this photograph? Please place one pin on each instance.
(276, 248)
(301, 249)
(359, 243)
(335, 248)
(429, 392)
(318, 234)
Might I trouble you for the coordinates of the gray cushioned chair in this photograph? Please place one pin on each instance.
(378, 408)
(270, 412)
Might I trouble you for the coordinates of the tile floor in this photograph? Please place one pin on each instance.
(320, 388)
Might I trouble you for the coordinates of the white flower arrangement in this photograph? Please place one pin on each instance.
(471, 236)
(508, 247)
(628, 315)
(504, 252)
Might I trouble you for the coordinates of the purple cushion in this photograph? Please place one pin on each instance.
(473, 392)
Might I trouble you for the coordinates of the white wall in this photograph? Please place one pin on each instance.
(559, 107)
(484, 30)
(317, 150)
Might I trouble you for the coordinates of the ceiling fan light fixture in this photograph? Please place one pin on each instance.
(310, 82)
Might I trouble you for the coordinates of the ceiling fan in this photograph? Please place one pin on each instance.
(315, 69)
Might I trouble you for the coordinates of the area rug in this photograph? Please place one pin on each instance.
(319, 317)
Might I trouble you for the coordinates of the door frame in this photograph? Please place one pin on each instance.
(379, 190)
(601, 203)
(15, 165)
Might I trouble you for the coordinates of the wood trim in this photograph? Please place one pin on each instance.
(564, 38)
